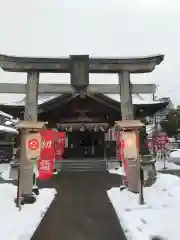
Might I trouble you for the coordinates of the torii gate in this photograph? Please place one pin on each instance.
(79, 66)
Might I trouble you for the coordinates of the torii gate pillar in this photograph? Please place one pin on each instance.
(30, 113)
(127, 110)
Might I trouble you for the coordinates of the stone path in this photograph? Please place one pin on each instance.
(81, 210)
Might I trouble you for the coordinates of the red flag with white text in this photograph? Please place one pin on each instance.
(120, 156)
(60, 143)
(46, 161)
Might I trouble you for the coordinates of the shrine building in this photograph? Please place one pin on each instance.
(88, 121)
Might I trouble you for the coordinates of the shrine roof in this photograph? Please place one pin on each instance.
(138, 99)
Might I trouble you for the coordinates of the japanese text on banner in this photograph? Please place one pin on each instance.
(46, 161)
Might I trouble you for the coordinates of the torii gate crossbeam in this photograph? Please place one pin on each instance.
(67, 88)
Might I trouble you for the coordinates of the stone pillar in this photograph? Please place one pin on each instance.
(126, 96)
(30, 113)
(31, 100)
(127, 113)
(79, 70)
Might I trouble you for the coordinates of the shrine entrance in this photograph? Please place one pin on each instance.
(86, 144)
(84, 147)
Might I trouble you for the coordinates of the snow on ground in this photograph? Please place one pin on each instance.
(119, 171)
(175, 154)
(20, 225)
(160, 216)
(3, 167)
(159, 166)
(5, 171)
(168, 165)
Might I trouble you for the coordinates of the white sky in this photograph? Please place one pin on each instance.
(97, 27)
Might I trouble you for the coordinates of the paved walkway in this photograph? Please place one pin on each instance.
(81, 210)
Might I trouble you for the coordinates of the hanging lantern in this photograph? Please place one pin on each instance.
(92, 127)
(95, 128)
(101, 128)
(82, 128)
(70, 128)
(88, 127)
(110, 134)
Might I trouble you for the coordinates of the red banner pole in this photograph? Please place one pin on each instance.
(60, 144)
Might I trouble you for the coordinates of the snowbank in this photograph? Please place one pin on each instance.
(20, 225)
(159, 216)
(175, 154)
(168, 165)
(5, 171)
(4, 167)
(118, 171)
(15, 224)
(159, 166)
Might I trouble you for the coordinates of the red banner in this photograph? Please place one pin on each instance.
(60, 142)
(120, 156)
(119, 147)
(46, 161)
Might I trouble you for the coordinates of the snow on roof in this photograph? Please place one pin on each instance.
(42, 98)
(11, 99)
(6, 115)
(150, 128)
(63, 78)
(7, 129)
(137, 99)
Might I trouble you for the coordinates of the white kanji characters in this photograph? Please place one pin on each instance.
(47, 144)
(45, 165)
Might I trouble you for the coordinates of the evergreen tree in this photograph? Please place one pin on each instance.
(171, 124)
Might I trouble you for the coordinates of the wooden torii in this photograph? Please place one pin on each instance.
(79, 67)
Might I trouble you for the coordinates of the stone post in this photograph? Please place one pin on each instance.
(126, 96)
(127, 113)
(79, 70)
(30, 113)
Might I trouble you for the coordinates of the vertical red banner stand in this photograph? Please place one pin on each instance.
(59, 145)
(120, 156)
(46, 161)
(119, 149)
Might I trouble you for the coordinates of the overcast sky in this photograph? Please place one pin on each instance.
(120, 28)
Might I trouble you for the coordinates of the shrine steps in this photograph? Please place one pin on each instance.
(83, 165)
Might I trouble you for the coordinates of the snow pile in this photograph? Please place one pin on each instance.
(160, 216)
(159, 166)
(168, 165)
(4, 167)
(175, 154)
(20, 225)
(118, 171)
(150, 128)
(8, 129)
(5, 172)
